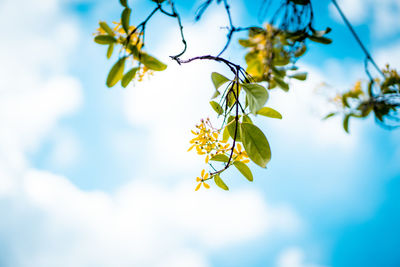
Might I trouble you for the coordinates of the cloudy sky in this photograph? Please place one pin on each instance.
(91, 176)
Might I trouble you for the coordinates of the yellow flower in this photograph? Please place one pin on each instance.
(240, 155)
(204, 177)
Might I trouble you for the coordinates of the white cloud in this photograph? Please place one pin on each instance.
(141, 224)
(303, 109)
(382, 14)
(389, 54)
(293, 257)
(35, 93)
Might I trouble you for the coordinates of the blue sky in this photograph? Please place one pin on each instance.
(91, 176)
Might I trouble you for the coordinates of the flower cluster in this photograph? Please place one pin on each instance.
(206, 142)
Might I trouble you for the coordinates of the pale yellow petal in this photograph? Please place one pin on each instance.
(198, 187)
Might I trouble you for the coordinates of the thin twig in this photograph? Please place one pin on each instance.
(360, 43)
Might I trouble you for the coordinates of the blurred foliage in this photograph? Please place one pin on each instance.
(273, 53)
(379, 96)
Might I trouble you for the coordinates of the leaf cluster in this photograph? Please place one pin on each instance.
(380, 97)
(131, 41)
(238, 102)
(273, 52)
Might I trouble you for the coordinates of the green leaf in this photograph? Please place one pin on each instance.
(281, 84)
(106, 28)
(302, 76)
(281, 61)
(321, 33)
(255, 30)
(110, 50)
(158, 1)
(216, 94)
(225, 134)
(247, 119)
(269, 112)
(104, 39)
(220, 157)
(320, 39)
(256, 144)
(329, 115)
(300, 51)
(244, 169)
(246, 43)
(256, 96)
(230, 98)
(217, 107)
(124, 3)
(127, 78)
(232, 128)
(116, 72)
(151, 62)
(218, 181)
(218, 79)
(125, 17)
(346, 123)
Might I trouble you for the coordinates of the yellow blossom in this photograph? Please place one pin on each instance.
(240, 155)
(204, 177)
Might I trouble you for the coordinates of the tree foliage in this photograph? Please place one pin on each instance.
(271, 53)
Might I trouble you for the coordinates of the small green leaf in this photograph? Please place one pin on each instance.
(216, 94)
(281, 84)
(302, 76)
(218, 79)
(300, 51)
(346, 123)
(329, 115)
(123, 3)
(110, 50)
(220, 157)
(225, 134)
(281, 61)
(230, 98)
(246, 43)
(269, 112)
(158, 1)
(218, 181)
(321, 33)
(247, 119)
(256, 96)
(151, 62)
(125, 17)
(232, 128)
(116, 72)
(320, 39)
(255, 30)
(217, 107)
(127, 78)
(104, 39)
(106, 28)
(244, 169)
(256, 144)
